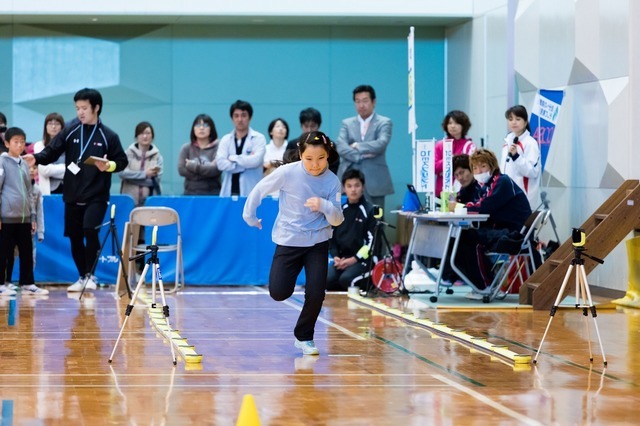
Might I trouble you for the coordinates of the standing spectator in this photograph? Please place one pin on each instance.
(362, 144)
(456, 124)
(350, 245)
(521, 155)
(86, 183)
(17, 213)
(197, 160)
(274, 151)
(310, 121)
(38, 235)
(141, 177)
(241, 153)
(309, 205)
(51, 176)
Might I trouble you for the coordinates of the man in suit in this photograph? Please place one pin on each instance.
(362, 145)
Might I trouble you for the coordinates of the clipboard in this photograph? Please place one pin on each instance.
(92, 160)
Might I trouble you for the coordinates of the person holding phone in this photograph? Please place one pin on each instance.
(141, 178)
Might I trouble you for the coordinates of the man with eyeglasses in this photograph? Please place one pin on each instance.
(362, 144)
(241, 153)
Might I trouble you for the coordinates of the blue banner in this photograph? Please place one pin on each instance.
(544, 116)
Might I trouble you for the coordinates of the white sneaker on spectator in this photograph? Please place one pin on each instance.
(77, 286)
(33, 289)
(6, 291)
(12, 286)
(92, 282)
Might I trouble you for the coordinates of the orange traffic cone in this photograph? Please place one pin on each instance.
(248, 412)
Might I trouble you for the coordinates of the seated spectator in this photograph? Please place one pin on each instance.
(197, 160)
(469, 191)
(467, 186)
(141, 178)
(507, 207)
(351, 241)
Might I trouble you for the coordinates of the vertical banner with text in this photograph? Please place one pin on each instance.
(447, 166)
(544, 116)
(425, 176)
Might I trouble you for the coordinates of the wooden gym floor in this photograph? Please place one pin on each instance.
(374, 369)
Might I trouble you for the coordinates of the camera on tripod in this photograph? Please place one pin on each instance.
(578, 237)
(378, 212)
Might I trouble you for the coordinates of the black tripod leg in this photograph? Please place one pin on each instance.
(370, 265)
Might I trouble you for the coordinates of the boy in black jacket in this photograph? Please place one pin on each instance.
(351, 241)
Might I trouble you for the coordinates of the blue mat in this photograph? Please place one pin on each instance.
(457, 300)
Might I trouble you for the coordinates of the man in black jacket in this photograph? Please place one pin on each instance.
(351, 241)
(87, 179)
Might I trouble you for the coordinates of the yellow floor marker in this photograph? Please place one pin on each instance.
(248, 412)
(156, 317)
(444, 330)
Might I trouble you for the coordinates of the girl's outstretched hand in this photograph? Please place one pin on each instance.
(314, 204)
(259, 224)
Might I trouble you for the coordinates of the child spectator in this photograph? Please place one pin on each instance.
(309, 204)
(17, 212)
(351, 241)
(36, 194)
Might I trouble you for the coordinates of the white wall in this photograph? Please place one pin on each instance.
(584, 47)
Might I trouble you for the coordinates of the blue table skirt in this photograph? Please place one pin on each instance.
(219, 248)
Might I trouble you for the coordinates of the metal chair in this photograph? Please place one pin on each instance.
(523, 256)
(168, 239)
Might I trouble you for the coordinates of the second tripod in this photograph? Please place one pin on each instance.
(115, 246)
(156, 277)
(386, 275)
(583, 294)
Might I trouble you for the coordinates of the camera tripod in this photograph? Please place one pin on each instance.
(583, 298)
(379, 235)
(115, 246)
(156, 276)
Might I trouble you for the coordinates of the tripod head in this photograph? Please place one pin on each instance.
(151, 249)
(578, 240)
(378, 212)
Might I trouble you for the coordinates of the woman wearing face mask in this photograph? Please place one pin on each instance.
(521, 154)
(507, 207)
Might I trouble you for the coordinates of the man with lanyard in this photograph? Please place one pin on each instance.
(86, 186)
(241, 153)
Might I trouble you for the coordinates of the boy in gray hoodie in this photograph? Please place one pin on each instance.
(17, 212)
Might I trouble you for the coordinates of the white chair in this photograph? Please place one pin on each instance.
(160, 217)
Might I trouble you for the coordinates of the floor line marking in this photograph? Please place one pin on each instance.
(485, 400)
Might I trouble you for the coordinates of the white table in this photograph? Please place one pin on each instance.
(431, 236)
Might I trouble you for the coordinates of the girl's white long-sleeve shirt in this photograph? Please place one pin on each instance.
(296, 225)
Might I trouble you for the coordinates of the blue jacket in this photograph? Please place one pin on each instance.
(504, 201)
